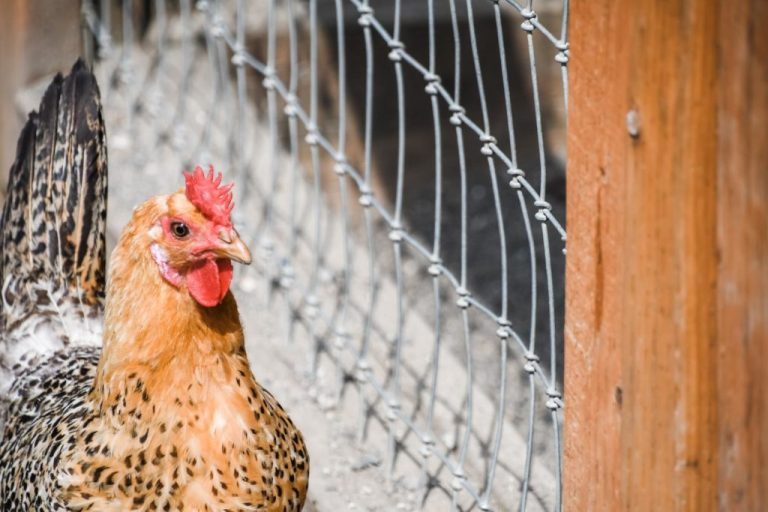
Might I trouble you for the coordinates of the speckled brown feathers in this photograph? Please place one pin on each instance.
(53, 224)
(52, 232)
(167, 415)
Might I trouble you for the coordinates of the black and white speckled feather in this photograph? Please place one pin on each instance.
(56, 390)
(52, 232)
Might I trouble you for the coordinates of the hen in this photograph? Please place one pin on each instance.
(167, 415)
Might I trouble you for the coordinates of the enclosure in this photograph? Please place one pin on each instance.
(401, 178)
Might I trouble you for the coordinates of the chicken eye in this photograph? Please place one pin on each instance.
(179, 230)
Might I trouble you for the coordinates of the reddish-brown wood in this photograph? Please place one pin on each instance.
(667, 275)
(743, 247)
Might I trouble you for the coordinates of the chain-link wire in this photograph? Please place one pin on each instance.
(334, 288)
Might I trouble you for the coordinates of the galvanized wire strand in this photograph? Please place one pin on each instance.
(287, 272)
(342, 79)
(458, 473)
(432, 92)
(235, 129)
(564, 74)
(312, 139)
(394, 55)
(218, 60)
(502, 333)
(176, 128)
(395, 236)
(455, 120)
(293, 128)
(526, 485)
(456, 53)
(505, 85)
(341, 328)
(459, 480)
(531, 351)
(528, 27)
(211, 111)
(564, 23)
(224, 80)
(462, 302)
(365, 196)
(363, 366)
(237, 60)
(428, 442)
(499, 426)
(559, 454)
(266, 242)
(478, 70)
(554, 396)
(268, 84)
(562, 56)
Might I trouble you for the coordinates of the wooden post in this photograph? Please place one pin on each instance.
(667, 271)
(743, 248)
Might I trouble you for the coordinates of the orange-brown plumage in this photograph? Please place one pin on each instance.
(173, 379)
(168, 416)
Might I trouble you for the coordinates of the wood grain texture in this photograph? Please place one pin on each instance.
(667, 286)
(743, 246)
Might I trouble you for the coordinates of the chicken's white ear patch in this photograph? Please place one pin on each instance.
(156, 232)
(169, 273)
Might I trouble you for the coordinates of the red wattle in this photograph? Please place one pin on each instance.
(208, 283)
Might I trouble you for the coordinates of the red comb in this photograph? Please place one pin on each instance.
(204, 192)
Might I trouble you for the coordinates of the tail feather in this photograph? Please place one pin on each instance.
(53, 227)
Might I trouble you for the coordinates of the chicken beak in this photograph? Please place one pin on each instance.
(232, 247)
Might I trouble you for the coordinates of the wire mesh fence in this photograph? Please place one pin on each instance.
(394, 165)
